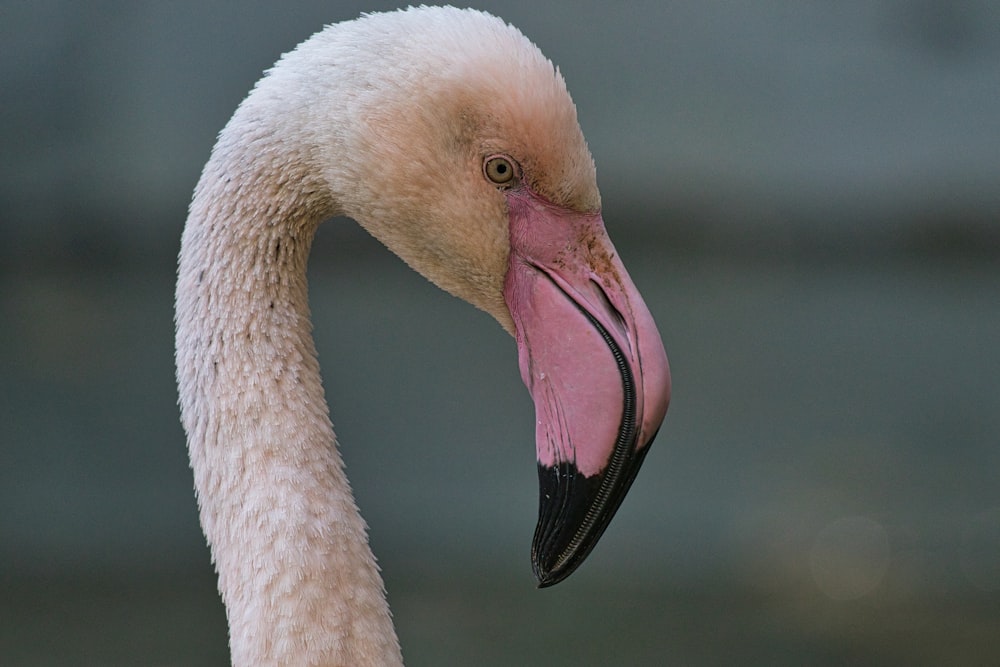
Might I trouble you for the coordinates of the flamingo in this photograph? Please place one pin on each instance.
(448, 136)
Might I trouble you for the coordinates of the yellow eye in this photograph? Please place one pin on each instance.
(499, 170)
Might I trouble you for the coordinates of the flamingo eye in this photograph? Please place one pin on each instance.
(500, 171)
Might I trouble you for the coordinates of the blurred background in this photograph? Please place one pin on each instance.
(807, 195)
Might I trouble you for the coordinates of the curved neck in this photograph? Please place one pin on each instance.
(296, 574)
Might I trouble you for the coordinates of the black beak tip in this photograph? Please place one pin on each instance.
(545, 582)
(573, 512)
(547, 573)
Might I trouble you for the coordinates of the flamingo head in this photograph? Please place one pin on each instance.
(467, 160)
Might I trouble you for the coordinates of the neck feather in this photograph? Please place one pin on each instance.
(296, 573)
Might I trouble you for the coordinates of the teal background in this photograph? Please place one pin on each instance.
(808, 197)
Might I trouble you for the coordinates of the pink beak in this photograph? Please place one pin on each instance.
(594, 363)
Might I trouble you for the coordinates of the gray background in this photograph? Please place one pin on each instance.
(808, 196)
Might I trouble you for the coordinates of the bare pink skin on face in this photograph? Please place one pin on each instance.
(562, 268)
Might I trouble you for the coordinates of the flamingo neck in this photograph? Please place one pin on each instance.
(296, 574)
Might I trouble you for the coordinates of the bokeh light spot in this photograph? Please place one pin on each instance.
(849, 557)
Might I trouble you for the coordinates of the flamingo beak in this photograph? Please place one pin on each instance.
(593, 361)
